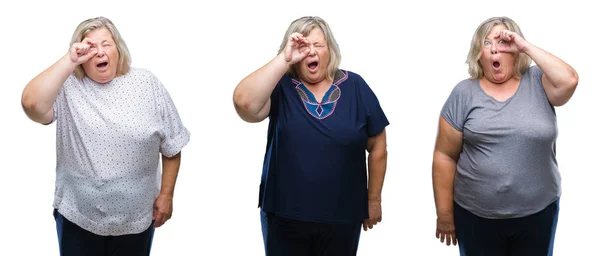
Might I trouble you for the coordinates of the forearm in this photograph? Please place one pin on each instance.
(444, 169)
(170, 169)
(40, 93)
(558, 72)
(377, 163)
(253, 92)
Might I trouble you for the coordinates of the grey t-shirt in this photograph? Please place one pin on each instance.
(108, 140)
(507, 167)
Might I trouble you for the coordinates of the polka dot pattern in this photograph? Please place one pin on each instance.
(109, 138)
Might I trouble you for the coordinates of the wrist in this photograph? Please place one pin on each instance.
(67, 63)
(168, 194)
(374, 199)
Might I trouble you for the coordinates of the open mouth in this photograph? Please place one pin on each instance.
(313, 66)
(496, 65)
(102, 64)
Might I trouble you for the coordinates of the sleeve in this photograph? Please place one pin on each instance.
(60, 101)
(174, 135)
(376, 119)
(275, 99)
(455, 110)
(535, 75)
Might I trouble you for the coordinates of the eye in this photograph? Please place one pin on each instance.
(486, 43)
(502, 41)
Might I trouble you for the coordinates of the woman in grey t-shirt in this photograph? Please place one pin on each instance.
(495, 176)
(113, 124)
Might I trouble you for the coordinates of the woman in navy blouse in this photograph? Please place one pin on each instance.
(315, 193)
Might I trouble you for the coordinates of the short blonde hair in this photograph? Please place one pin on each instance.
(306, 24)
(92, 24)
(522, 61)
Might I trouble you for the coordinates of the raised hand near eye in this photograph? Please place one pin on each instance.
(510, 42)
(82, 52)
(296, 49)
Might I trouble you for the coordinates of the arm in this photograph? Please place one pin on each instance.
(41, 92)
(251, 97)
(559, 79)
(163, 206)
(377, 148)
(447, 150)
(377, 161)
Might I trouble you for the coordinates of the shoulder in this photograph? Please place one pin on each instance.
(140, 73)
(351, 76)
(533, 72)
(465, 87)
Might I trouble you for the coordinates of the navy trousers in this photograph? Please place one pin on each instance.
(76, 241)
(532, 235)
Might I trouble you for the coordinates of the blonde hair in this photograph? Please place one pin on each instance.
(522, 61)
(92, 24)
(303, 26)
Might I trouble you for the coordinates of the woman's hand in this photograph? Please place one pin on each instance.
(445, 229)
(296, 49)
(79, 53)
(512, 42)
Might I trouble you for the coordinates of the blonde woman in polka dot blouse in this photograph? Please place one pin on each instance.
(114, 123)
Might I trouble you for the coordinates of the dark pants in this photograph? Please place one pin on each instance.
(532, 235)
(289, 237)
(73, 240)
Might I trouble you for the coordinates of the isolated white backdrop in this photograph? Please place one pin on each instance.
(411, 54)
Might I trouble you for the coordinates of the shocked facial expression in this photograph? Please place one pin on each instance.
(497, 66)
(313, 68)
(102, 68)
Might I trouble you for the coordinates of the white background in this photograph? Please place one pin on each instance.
(411, 53)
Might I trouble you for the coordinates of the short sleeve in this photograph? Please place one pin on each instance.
(536, 74)
(376, 119)
(60, 101)
(174, 135)
(454, 110)
(275, 98)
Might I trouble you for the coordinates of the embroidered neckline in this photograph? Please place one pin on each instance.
(326, 107)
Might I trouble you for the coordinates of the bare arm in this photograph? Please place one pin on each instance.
(559, 79)
(251, 97)
(377, 148)
(163, 205)
(447, 150)
(41, 92)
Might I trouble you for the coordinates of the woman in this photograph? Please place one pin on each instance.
(113, 120)
(495, 176)
(313, 193)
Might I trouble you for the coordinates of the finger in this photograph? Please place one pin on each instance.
(365, 225)
(159, 221)
(89, 41)
(437, 233)
(370, 224)
(448, 239)
(454, 239)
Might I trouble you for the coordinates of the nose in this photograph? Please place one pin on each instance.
(101, 52)
(494, 49)
(313, 51)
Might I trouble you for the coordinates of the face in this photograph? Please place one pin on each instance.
(313, 68)
(102, 68)
(497, 67)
